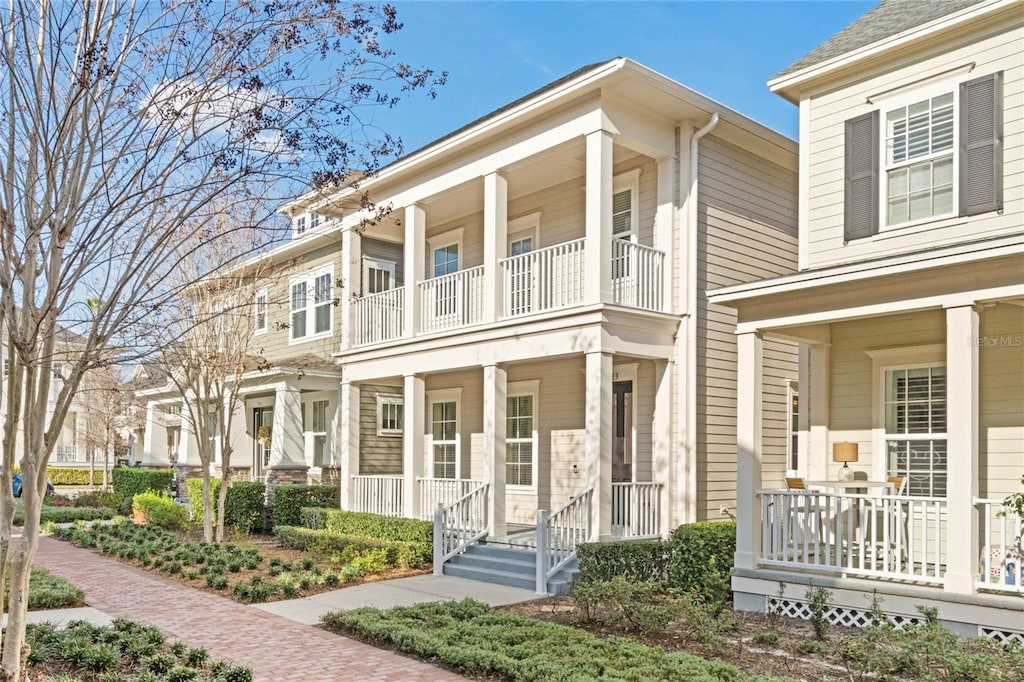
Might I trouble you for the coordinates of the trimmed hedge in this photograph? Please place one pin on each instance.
(70, 476)
(290, 499)
(244, 506)
(130, 481)
(702, 558)
(194, 487)
(372, 525)
(343, 548)
(65, 514)
(161, 510)
(634, 560)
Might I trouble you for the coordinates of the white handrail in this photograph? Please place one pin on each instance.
(637, 275)
(558, 534)
(545, 279)
(443, 491)
(1001, 555)
(452, 301)
(379, 317)
(459, 525)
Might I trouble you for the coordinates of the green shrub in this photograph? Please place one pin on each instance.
(244, 506)
(161, 510)
(73, 476)
(47, 591)
(130, 481)
(65, 514)
(344, 548)
(194, 488)
(702, 558)
(379, 527)
(314, 518)
(290, 499)
(98, 498)
(634, 560)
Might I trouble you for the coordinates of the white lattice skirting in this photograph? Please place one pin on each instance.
(1002, 636)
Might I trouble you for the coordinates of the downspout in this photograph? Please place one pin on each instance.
(689, 411)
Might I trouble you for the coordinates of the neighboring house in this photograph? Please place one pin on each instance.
(909, 305)
(527, 330)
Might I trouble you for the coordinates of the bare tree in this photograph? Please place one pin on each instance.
(123, 124)
(105, 400)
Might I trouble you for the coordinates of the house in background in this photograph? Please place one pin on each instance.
(909, 304)
(527, 330)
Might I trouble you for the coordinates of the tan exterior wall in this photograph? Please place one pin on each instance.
(989, 52)
(379, 455)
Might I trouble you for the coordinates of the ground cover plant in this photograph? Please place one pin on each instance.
(47, 591)
(121, 652)
(64, 514)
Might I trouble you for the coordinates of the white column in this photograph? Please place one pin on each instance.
(495, 406)
(154, 442)
(664, 221)
(661, 439)
(598, 442)
(962, 446)
(188, 444)
(351, 277)
(237, 437)
(287, 447)
(347, 437)
(599, 217)
(415, 258)
(413, 456)
(495, 243)
(749, 448)
(814, 403)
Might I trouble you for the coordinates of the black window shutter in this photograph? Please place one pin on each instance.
(861, 184)
(981, 145)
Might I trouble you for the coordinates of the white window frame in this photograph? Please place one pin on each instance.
(513, 390)
(309, 279)
(453, 395)
(629, 180)
(389, 400)
(523, 227)
(904, 98)
(314, 432)
(262, 299)
(387, 266)
(792, 449)
(443, 240)
(300, 225)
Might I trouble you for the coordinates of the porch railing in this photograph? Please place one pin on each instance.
(379, 317)
(443, 491)
(452, 301)
(459, 525)
(558, 534)
(882, 536)
(1002, 557)
(636, 510)
(67, 453)
(545, 279)
(637, 275)
(382, 495)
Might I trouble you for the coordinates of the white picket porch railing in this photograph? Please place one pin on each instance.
(452, 301)
(545, 279)
(1001, 556)
(443, 491)
(384, 495)
(637, 275)
(68, 453)
(459, 525)
(636, 510)
(379, 317)
(558, 534)
(881, 536)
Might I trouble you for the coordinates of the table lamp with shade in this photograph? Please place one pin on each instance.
(845, 453)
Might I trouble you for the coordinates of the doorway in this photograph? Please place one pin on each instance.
(622, 435)
(261, 417)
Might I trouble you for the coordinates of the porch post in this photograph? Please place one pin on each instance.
(154, 442)
(663, 228)
(238, 438)
(287, 447)
(495, 406)
(351, 276)
(412, 442)
(495, 243)
(347, 455)
(749, 447)
(188, 445)
(816, 406)
(414, 259)
(598, 273)
(661, 437)
(962, 448)
(598, 443)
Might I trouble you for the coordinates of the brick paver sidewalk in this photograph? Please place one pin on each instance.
(275, 648)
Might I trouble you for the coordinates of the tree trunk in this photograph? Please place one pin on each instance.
(222, 498)
(207, 505)
(21, 570)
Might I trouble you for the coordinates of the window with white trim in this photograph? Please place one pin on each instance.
(520, 440)
(444, 438)
(390, 415)
(299, 225)
(625, 220)
(318, 430)
(378, 276)
(915, 427)
(260, 309)
(311, 315)
(792, 426)
(920, 153)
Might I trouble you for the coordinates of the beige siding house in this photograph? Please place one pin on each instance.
(909, 308)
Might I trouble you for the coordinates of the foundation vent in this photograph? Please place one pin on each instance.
(837, 615)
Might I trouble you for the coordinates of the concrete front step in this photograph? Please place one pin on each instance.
(501, 565)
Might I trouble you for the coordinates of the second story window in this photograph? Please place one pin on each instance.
(446, 260)
(919, 156)
(311, 305)
(300, 225)
(260, 312)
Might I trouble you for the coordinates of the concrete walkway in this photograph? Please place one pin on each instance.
(277, 648)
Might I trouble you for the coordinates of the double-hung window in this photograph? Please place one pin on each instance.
(915, 427)
(311, 305)
(260, 311)
(625, 191)
(390, 415)
(444, 438)
(919, 157)
(521, 439)
(318, 424)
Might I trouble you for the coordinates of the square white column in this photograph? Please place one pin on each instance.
(238, 439)
(351, 278)
(346, 454)
(154, 442)
(815, 404)
(414, 263)
(962, 448)
(664, 228)
(413, 455)
(748, 448)
(287, 444)
(188, 445)
(598, 443)
(598, 273)
(495, 407)
(661, 437)
(495, 243)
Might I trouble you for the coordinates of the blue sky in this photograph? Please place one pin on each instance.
(496, 52)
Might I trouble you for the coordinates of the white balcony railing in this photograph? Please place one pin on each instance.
(443, 491)
(379, 317)
(1002, 533)
(68, 453)
(882, 536)
(637, 275)
(382, 495)
(452, 301)
(545, 279)
(636, 510)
